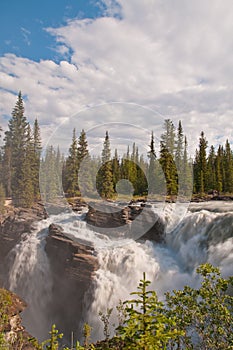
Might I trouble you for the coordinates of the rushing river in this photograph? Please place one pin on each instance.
(205, 234)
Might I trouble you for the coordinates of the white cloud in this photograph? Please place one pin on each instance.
(175, 57)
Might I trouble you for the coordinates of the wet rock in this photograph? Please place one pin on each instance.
(73, 266)
(134, 221)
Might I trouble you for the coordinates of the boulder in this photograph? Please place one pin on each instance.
(134, 221)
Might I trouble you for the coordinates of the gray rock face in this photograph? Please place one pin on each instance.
(73, 265)
(140, 221)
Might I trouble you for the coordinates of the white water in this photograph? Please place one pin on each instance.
(30, 277)
(202, 235)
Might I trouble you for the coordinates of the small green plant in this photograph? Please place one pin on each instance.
(146, 325)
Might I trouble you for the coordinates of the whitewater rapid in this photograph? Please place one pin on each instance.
(205, 234)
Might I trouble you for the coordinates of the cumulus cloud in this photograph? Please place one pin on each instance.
(174, 57)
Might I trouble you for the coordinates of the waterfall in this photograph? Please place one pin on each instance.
(30, 277)
(203, 235)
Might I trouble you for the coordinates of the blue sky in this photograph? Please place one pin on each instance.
(165, 60)
(23, 25)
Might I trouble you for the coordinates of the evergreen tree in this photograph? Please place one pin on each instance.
(179, 149)
(37, 148)
(200, 166)
(218, 162)
(228, 168)
(17, 138)
(211, 171)
(85, 175)
(168, 137)
(71, 169)
(105, 175)
(152, 167)
(28, 180)
(167, 148)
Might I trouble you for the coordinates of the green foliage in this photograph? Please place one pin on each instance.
(204, 314)
(197, 319)
(104, 180)
(146, 325)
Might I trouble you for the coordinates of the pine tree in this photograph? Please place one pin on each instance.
(200, 166)
(28, 180)
(71, 169)
(152, 188)
(211, 171)
(105, 174)
(85, 175)
(186, 176)
(37, 148)
(179, 149)
(167, 148)
(16, 139)
(168, 137)
(228, 168)
(218, 162)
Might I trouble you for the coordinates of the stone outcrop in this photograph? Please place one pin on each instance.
(73, 265)
(138, 220)
(11, 326)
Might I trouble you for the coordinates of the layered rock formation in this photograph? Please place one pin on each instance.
(134, 221)
(73, 265)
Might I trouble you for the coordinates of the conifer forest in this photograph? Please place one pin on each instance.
(26, 173)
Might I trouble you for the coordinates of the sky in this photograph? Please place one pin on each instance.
(121, 65)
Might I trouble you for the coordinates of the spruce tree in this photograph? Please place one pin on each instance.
(200, 166)
(17, 139)
(37, 148)
(85, 171)
(167, 149)
(105, 174)
(28, 179)
(218, 162)
(186, 176)
(228, 167)
(71, 168)
(179, 148)
(211, 171)
(152, 167)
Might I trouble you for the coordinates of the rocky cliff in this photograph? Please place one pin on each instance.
(135, 220)
(73, 265)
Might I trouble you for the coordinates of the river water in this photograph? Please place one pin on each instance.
(204, 234)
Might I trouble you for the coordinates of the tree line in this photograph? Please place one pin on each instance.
(26, 175)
